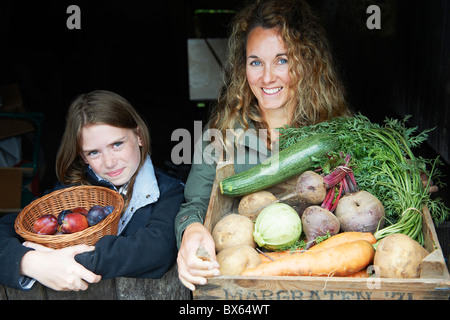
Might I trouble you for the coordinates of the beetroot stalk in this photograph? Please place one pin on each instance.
(335, 177)
(351, 183)
(337, 198)
(338, 174)
(328, 201)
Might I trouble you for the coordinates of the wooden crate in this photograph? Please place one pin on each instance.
(434, 282)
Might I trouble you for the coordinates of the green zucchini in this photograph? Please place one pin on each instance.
(281, 166)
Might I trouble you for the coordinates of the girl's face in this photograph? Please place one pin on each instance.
(267, 68)
(113, 153)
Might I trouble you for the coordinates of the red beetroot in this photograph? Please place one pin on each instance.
(317, 222)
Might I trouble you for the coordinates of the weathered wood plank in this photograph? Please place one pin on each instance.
(433, 266)
(218, 202)
(2, 293)
(169, 287)
(317, 288)
(103, 290)
(38, 292)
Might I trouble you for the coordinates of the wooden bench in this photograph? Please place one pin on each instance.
(169, 287)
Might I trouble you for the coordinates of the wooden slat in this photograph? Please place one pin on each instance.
(37, 292)
(315, 288)
(218, 202)
(169, 287)
(433, 266)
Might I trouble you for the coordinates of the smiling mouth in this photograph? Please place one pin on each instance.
(272, 91)
(115, 173)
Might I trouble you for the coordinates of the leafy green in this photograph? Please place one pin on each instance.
(384, 165)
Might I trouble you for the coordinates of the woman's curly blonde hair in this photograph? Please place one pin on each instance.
(319, 93)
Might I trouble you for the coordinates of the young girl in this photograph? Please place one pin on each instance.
(105, 143)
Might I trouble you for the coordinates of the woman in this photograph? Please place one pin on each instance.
(279, 72)
(105, 143)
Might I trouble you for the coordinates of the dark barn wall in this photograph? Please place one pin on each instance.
(134, 48)
(422, 79)
(138, 49)
(401, 69)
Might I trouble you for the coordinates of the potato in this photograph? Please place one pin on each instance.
(252, 204)
(236, 259)
(233, 230)
(399, 256)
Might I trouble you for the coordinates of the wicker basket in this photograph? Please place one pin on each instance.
(69, 198)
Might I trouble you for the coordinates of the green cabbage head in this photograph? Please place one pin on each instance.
(277, 227)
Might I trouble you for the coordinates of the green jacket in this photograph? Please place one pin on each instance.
(246, 153)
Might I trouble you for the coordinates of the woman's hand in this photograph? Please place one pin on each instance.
(431, 187)
(191, 269)
(57, 269)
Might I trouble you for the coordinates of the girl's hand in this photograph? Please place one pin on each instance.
(36, 246)
(191, 269)
(57, 269)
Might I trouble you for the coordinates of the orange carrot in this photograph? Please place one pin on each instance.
(345, 237)
(341, 260)
(274, 255)
(359, 274)
(340, 238)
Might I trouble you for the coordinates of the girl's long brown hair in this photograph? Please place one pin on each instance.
(319, 93)
(96, 107)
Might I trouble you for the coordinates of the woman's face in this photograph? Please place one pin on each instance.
(267, 68)
(113, 153)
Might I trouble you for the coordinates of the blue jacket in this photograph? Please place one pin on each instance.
(145, 248)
